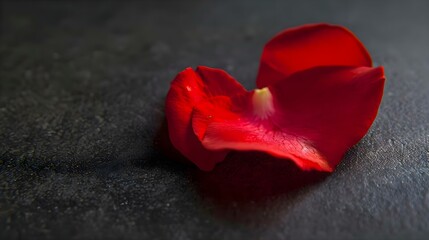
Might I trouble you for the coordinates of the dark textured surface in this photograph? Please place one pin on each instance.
(81, 101)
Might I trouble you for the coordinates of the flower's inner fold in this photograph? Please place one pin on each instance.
(263, 106)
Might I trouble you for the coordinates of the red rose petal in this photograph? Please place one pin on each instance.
(188, 89)
(315, 116)
(309, 46)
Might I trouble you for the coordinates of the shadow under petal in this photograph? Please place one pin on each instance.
(163, 145)
(247, 186)
(253, 188)
(253, 176)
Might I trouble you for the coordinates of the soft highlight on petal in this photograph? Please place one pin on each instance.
(263, 106)
(308, 46)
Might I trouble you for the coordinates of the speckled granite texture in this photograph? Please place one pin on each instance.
(82, 87)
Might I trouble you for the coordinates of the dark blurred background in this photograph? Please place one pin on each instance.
(82, 145)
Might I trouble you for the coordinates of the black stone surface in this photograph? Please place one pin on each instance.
(81, 102)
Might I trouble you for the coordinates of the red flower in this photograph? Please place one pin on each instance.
(318, 97)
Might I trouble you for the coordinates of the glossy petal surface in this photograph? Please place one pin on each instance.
(308, 46)
(318, 115)
(188, 89)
